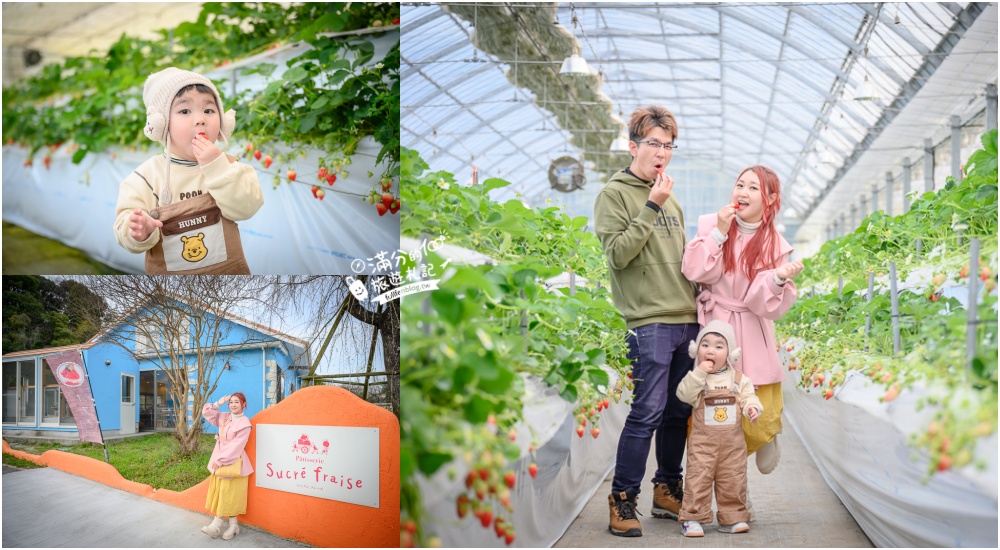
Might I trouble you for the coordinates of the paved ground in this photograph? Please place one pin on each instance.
(45, 507)
(793, 507)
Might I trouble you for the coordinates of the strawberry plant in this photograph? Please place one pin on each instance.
(470, 342)
(329, 98)
(826, 332)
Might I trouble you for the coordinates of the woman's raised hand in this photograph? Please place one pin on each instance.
(223, 401)
(789, 270)
(726, 216)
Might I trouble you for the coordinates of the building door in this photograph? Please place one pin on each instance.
(128, 404)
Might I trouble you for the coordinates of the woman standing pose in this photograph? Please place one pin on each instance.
(230, 465)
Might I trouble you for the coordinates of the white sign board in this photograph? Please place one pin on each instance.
(331, 462)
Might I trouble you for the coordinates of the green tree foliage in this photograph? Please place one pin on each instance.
(40, 313)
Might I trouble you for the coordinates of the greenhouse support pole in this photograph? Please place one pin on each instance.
(888, 193)
(991, 107)
(868, 316)
(906, 184)
(895, 308)
(970, 332)
(928, 165)
(956, 148)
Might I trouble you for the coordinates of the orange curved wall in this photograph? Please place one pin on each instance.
(316, 521)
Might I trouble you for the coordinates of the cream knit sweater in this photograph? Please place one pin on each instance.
(233, 185)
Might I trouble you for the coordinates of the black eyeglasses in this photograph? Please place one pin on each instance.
(658, 145)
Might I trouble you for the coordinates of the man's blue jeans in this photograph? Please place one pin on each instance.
(659, 355)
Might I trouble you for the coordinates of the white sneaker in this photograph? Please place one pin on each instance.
(693, 529)
(768, 456)
(740, 527)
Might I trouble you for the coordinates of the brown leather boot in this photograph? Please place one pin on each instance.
(623, 521)
(667, 499)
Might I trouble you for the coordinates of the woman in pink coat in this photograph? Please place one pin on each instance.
(230, 465)
(745, 280)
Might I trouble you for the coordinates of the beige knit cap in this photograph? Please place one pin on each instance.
(158, 94)
(723, 329)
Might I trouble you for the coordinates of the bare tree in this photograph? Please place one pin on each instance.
(179, 324)
(331, 299)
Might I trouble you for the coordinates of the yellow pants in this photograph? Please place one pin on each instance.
(769, 424)
(227, 496)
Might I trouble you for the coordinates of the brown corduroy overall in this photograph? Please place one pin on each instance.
(196, 240)
(717, 453)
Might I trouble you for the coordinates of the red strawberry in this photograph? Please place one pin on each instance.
(291, 175)
(249, 147)
(828, 393)
(256, 155)
(606, 403)
(486, 517)
(267, 161)
(330, 178)
(533, 470)
(386, 183)
(509, 537)
(394, 207)
(48, 161)
(322, 173)
(469, 479)
(986, 273)
(509, 479)
(512, 434)
(579, 431)
(395, 21)
(595, 432)
(462, 505)
(320, 194)
(944, 463)
(736, 206)
(27, 162)
(382, 209)
(387, 199)
(484, 473)
(410, 526)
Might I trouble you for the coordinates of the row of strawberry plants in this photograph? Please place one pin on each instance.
(827, 330)
(328, 99)
(469, 343)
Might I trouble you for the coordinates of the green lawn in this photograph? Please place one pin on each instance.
(153, 459)
(18, 462)
(25, 253)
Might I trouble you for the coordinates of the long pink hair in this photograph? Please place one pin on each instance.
(762, 250)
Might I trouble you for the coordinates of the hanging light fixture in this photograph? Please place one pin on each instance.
(866, 91)
(575, 65)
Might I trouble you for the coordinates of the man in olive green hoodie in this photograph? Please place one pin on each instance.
(641, 228)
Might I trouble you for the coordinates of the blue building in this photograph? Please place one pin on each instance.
(131, 391)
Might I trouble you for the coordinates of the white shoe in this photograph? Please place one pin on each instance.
(692, 528)
(234, 529)
(213, 529)
(740, 527)
(768, 457)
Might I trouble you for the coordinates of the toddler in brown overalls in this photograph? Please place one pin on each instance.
(180, 208)
(716, 450)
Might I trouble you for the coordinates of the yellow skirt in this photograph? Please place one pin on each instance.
(769, 424)
(227, 497)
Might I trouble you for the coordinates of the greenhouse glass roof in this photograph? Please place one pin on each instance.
(749, 83)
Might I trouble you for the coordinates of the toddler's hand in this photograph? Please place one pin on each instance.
(204, 151)
(753, 414)
(141, 226)
(789, 270)
(707, 366)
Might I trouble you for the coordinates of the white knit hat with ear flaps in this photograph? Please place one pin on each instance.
(722, 329)
(158, 94)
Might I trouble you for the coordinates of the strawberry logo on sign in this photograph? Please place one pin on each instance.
(70, 374)
(305, 446)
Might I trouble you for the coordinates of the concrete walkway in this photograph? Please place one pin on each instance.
(45, 507)
(793, 507)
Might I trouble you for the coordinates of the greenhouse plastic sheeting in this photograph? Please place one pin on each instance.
(293, 233)
(570, 470)
(859, 445)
